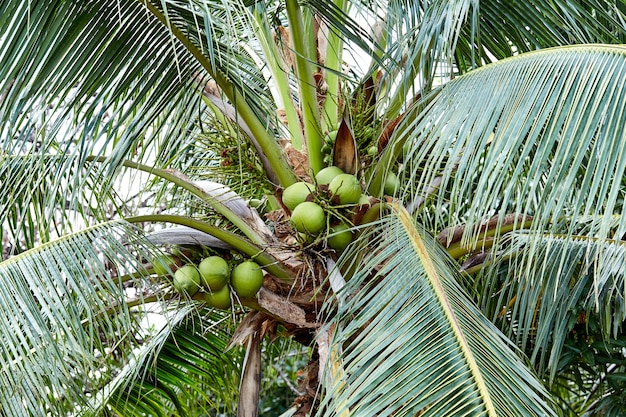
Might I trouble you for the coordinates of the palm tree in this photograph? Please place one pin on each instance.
(478, 271)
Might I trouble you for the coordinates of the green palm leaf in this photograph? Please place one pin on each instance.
(413, 342)
(578, 274)
(79, 70)
(189, 370)
(117, 78)
(63, 316)
(39, 196)
(546, 142)
(467, 33)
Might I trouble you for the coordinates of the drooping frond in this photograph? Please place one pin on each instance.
(539, 135)
(426, 42)
(40, 198)
(530, 25)
(125, 80)
(96, 73)
(551, 283)
(414, 344)
(66, 315)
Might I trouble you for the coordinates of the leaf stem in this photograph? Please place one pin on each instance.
(438, 288)
(334, 53)
(183, 182)
(306, 84)
(279, 75)
(269, 146)
(485, 239)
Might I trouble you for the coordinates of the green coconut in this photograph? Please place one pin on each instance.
(187, 280)
(339, 237)
(163, 264)
(391, 184)
(345, 189)
(308, 217)
(297, 193)
(218, 299)
(326, 175)
(214, 272)
(331, 136)
(246, 279)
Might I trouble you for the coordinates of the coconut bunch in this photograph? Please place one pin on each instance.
(326, 208)
(214, 278)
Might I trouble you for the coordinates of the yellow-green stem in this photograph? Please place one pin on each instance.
(308, 91)
(214, 203)
(280, 77)
(334, 54)
(486, 240)
(270, 147)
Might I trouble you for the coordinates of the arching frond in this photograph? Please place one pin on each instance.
(66, 317)
(531, 25)
(188, 370)
(538, 135)
(96, 73)
(40, 198)
(545, 141)
(413, 342)
(125, 79)
(425, 42)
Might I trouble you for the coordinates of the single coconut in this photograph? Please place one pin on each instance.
(331, 136)
(214, 272)
(326, 175)
(163, 264)
(308, 217)
(364, 200)
(296, 193)
(345, 189)
(339, 237)
(391, 184)
(246, 279)
(187, 280)
(218, 299)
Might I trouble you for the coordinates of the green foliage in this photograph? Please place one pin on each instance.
(492, 283)
(428, 332)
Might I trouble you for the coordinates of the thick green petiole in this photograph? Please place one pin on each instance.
(308, 91)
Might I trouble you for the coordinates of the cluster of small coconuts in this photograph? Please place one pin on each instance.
(214, 278)
(309, 205)
(323, 209)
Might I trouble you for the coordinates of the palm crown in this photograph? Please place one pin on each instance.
(476, 269)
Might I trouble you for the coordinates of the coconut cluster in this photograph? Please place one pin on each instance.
(325, 207)
(213, 278)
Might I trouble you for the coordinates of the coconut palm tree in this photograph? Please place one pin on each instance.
(476, 268)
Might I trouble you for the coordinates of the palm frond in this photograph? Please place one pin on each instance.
(113, 80)
(551, 283)
(65, 315)
(491, 32)
(40, 199)
(546, 142)
(187, 369)
(93, 74)
(413, 342)
(427, 42)
(96, 86)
